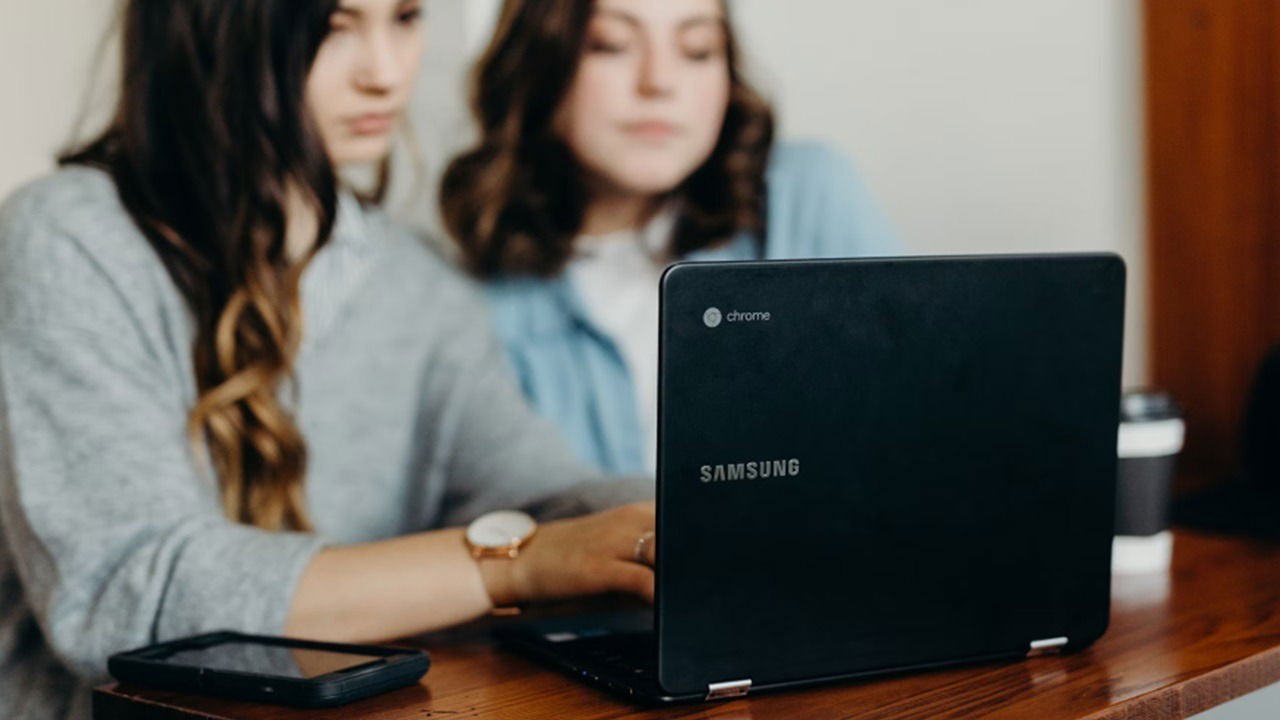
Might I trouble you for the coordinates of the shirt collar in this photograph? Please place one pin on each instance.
(654, 238)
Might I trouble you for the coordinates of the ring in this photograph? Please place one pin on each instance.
(640, 554)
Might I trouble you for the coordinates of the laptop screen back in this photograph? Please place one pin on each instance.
(875, 464)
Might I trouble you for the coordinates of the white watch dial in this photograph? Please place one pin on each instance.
(500, 529)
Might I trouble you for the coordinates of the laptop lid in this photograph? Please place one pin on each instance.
(882, 464)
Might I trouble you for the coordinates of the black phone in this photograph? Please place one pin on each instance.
(275, 670)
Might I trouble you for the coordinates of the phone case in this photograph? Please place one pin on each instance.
(402, 667)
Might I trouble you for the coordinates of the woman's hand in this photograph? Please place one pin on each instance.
(589, 555)
(412, 584)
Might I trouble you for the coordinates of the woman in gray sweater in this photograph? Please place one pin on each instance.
(233, 395)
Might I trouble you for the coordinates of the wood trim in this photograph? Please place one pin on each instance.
(1213, 162)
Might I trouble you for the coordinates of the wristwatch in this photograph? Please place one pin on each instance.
(500, 535)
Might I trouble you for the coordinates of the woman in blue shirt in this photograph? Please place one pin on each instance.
(618, 136)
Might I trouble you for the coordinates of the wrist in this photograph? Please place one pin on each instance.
(495, 541)
(497, 575)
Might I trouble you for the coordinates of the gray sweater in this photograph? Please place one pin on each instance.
(111, 535)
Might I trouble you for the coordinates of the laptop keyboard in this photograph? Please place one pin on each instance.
(626, 655)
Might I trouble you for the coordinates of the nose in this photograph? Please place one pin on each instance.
(657, 71)
(378, 71)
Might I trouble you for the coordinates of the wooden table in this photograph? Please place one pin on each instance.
(1178, 644)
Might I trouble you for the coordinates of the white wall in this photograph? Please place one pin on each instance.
(49, 61)
(981, 125)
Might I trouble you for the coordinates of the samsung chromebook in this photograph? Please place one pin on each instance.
(869, 466)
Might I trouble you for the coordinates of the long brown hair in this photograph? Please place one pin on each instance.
(515, 202)
(208, 140)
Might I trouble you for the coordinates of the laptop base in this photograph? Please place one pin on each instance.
(611, 653)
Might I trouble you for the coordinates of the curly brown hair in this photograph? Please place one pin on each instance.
(210, 137)
(515, 202)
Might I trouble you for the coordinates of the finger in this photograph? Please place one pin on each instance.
(639, 513)
(647, 511)
(635, 579)
(638, 547)
(636, 521)
(627, 541)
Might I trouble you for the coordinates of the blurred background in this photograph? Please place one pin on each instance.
(980, 125)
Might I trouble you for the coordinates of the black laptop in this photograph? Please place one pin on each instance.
(866, 467)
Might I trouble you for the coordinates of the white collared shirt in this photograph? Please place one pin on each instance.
(617, 277)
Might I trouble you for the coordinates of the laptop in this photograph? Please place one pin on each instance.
(869, 466)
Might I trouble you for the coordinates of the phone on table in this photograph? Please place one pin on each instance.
(276, 670)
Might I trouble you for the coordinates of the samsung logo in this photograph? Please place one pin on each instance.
(754, 470)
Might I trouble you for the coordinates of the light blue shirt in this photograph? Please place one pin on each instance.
(573, 372)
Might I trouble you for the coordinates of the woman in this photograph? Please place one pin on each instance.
(233, 396)
(617, 137)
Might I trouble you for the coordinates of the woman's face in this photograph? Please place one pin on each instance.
(363, 75)
(648, 101)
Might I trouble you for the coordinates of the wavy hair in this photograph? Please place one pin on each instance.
(209, 146)
(515, 201)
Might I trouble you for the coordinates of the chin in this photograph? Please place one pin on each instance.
(651, 180)
(360, 150)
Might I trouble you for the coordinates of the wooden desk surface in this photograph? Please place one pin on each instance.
(1178, 645)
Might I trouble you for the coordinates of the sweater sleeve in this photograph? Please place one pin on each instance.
(117, 538)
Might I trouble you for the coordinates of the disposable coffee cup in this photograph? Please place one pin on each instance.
(1152, 432)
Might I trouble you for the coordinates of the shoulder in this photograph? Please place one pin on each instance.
(819, 205)
(803, 167)
(74, 201)
(62, 189)
(67, 244)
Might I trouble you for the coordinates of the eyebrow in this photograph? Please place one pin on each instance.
(685, 24)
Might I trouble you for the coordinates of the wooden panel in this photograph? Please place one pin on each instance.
(1178, 645)
(1214, 247)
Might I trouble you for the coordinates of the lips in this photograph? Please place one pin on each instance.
(652, 130)
(372, 123)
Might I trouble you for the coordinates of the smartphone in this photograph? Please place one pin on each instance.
(274, 670)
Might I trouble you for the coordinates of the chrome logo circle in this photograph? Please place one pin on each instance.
(711, 317)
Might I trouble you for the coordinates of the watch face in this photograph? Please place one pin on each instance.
(500, 529)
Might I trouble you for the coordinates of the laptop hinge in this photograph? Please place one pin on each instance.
(1046, 646)
(732, 688)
